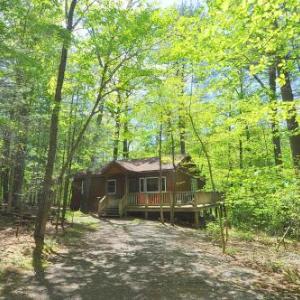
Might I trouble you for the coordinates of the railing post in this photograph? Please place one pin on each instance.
(146, 206)
(125, 205)
(196, 214)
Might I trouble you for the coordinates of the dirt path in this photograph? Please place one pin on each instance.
(126, 259)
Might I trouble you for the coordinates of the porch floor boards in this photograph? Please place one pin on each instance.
(182, 208)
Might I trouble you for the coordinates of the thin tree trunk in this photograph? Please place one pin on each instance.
(82, 131)
(10, 190)
(209, 169)
(126, 131)
(117, 128)
(181, 123)
(241, 152)
(6, 164)
(274, 123)
(292, 124)
(182, 135)
(174, 179)
(20, 157)
(160, 176)
(205, 153)
(45, 201)
(71, 137)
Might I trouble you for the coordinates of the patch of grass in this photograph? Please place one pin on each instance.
(136, 221)
(21, 260)
(73, 234)
(291, 275)
(265, 239)
(231, 251)
(213, 231)
(274, 266)
(80, 218)
(246, 236)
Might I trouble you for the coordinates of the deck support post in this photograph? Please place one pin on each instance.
(146, 207)
(216, 212)
(196, 219)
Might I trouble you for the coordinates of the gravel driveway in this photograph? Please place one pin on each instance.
(138, 259)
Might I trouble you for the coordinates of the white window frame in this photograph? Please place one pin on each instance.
(111, 180)
(140, 185)
(145, 184)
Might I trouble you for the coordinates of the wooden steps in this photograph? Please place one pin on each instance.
(110, 212)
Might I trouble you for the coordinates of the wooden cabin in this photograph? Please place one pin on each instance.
(125, 186)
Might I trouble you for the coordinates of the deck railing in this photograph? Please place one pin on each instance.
(181, 198)
(142, 199)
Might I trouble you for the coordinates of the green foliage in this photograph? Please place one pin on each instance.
(263, 199)
(136, 69)
(241, 235)
(213, 231)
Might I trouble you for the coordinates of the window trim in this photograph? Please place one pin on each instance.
(140, 185)
(111, 180)
(145, 184)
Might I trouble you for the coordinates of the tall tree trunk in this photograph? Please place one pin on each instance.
(181, 123)
(173, 203)
(71, 138)
(126, 131)
(292, 124)
(160, 176)
(116, 137)
(6, 164)
(20, 156)
(45, 201)
(274, 123)
(182, 135)
(241, 153)
(117, 128)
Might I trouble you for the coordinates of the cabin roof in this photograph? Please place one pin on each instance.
(142, 165)
(146, 165)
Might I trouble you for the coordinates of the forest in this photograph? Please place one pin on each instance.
(85, 82)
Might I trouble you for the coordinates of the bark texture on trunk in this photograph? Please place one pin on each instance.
(274, 125)
(125, 141)
(292, 124)
(160, 176)
(45, 200)
(6, 164)
(20, 157)
(117, 128)
(182, 135)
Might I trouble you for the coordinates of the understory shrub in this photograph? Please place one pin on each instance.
(265, 199)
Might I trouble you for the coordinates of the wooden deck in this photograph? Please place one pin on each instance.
(193, 202)
(167, 208)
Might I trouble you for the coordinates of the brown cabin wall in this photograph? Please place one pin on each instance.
(98, 186)
(120, 184)
(97, 190)
(76, 194)
(89, 200)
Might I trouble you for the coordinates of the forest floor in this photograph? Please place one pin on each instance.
(139, 259)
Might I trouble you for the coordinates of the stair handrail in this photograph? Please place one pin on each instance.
(103, 202)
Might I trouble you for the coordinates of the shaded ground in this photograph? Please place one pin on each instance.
(137, 259)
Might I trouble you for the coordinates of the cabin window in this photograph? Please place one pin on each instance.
(151, 184)
(111, 186)
(142, 185)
